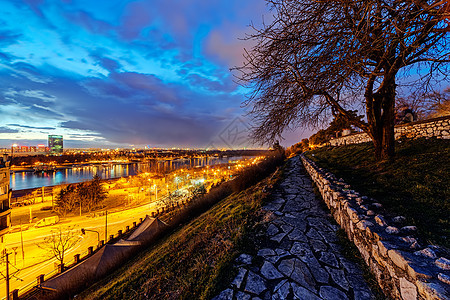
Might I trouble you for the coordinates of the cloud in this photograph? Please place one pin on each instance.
(31, 127)
(8, 37)
(87, 21)
(7, 130)
(225, 86)
(127, 72)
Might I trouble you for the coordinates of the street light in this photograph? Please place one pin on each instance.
(177, 179)
(83, 231)
(156, 192)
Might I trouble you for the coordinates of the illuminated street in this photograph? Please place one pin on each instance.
(37, 261)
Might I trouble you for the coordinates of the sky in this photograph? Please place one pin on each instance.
(126, 73)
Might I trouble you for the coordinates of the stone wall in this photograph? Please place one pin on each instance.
(438, 127)
(403, 268)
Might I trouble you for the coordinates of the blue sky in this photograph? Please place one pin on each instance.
(119, 73)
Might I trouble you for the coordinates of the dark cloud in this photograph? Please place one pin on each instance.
(34, 5)
(87, 21)
(44, 113)
(31, 127)
(226, 86)
(138, 72)
(8, 130)
(7, 37)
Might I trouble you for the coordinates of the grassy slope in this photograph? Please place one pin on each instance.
(415, 185)
(194, 261)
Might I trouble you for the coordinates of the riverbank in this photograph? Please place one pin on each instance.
(195, 260)
(114, 169)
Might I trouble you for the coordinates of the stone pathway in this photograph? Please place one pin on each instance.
(303, 259)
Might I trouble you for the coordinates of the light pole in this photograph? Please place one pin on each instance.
(7, 275)
(106, 226)
(83, 231)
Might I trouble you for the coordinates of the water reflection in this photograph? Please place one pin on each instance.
(26, 180)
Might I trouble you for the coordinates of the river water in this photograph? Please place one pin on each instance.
(27, 180)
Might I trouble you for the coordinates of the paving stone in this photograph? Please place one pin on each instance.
(255, 284)
(285, 244)
(318, 272)
(338, 277)
(245, 259)
(317, 246)
(301, 274)
(303, 293)
(329, 237)
(237, 282)
(351, 267)
(357, 282)
(294, 206)
(281, 290)
(278, 200)
(286, 228)
(301, 250)
(291, 191)
(291, 197)
(329, 259)
(281, 252)
(277, 238)
(297, 235)
(332, 293)
(270, 272)
(301, 229)
(272, 230)
(273, 259)
(272, 206)
(224, 295)
(266, 252)
(313, 234)
(365, 294)
(278, 213)
(243, 296)
(287, 266)
(336, 248)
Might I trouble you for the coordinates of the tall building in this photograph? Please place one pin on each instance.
(5, 198)
(55, 143)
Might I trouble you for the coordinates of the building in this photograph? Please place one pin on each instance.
(55, 143)
(5, 198)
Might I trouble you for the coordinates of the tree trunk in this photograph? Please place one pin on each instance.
(381, 122)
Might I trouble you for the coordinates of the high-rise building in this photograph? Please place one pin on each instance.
(5, 198)
(55, 143)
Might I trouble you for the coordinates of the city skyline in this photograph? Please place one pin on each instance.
(125, 73)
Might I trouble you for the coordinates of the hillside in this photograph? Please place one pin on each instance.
(193, 261)
(414, 185)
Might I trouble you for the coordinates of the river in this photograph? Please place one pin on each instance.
(28, 180)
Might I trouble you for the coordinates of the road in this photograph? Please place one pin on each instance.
(37, 261)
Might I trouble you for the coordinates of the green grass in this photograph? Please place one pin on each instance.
(196, 260)
(415, 184)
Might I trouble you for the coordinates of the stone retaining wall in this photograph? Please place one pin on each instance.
(403, 268)
(438, 127)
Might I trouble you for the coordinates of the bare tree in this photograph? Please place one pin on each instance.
(425, 105)
(322, 56)
(59, 242)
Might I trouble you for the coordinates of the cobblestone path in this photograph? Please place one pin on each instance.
(303, 259)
